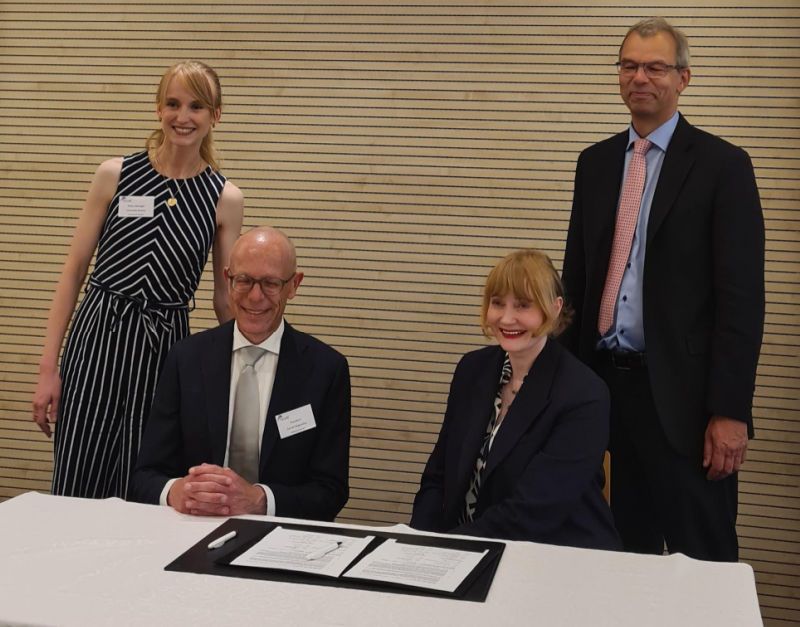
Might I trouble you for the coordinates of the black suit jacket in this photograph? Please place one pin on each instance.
(703, 276)
(188, 423)
(543, 478)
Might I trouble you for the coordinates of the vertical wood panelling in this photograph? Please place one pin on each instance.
(404, 147)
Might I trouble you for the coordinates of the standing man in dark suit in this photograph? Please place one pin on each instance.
(253, 416)
(664, 266)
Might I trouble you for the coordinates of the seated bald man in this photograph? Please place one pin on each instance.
(242, 430)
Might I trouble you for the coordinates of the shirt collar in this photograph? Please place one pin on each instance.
(660, 137)
(272, 343)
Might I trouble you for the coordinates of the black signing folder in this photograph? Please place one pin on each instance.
(199, 559)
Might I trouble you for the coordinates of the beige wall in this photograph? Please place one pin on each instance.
(405, 148)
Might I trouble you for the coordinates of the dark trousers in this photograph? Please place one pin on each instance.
(658, 495)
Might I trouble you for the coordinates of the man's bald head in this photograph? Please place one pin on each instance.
(263, 276)
(263, 238)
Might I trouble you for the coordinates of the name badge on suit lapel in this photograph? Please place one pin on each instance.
(295, 421)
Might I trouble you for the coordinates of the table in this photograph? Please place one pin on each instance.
(68, 561)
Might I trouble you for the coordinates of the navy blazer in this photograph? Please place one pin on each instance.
(543, 479)
(703, 306)
(188, 423)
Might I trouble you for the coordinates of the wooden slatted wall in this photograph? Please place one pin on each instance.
(404, 147)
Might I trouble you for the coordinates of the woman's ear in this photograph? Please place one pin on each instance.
(558, 305)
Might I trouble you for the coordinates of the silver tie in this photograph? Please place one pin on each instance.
(245, 444)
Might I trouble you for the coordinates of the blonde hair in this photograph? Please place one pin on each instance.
(528, 275)
(204, 84)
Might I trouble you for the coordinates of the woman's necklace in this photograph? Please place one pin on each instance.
(173, 197)
(172, 200)
(519, 387)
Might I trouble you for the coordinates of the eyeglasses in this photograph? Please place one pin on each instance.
(655, 69)
(243, 283)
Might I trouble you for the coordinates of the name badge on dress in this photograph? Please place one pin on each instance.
(136, 206)
(295, 421)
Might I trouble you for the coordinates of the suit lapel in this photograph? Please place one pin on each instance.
(677, 163)
(216, 373)
(532, 399)
(473, 412)
(290, 375)
(607, 180)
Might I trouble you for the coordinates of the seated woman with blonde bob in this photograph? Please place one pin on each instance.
(520, 452)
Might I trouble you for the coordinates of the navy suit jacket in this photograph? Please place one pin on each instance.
(188, 423)
(543, 479)
(703, 286)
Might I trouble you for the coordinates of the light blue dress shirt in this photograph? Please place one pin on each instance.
(627, 331)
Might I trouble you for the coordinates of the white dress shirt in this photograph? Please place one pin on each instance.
(265, 371)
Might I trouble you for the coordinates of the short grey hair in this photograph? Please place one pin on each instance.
(651, 26)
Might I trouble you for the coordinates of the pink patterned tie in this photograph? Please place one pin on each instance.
(627, 215)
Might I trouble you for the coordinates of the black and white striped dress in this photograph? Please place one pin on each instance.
(135, 308)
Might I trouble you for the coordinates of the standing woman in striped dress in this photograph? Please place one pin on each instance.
(153, 217)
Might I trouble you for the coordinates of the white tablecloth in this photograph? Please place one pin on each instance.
(66, 561)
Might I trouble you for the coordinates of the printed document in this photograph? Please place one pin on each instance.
(305, 551)
(427, 567)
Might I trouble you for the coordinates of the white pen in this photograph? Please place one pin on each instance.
(323, 551)
(215, 544)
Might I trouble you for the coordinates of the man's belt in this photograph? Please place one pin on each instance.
(624, 360)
